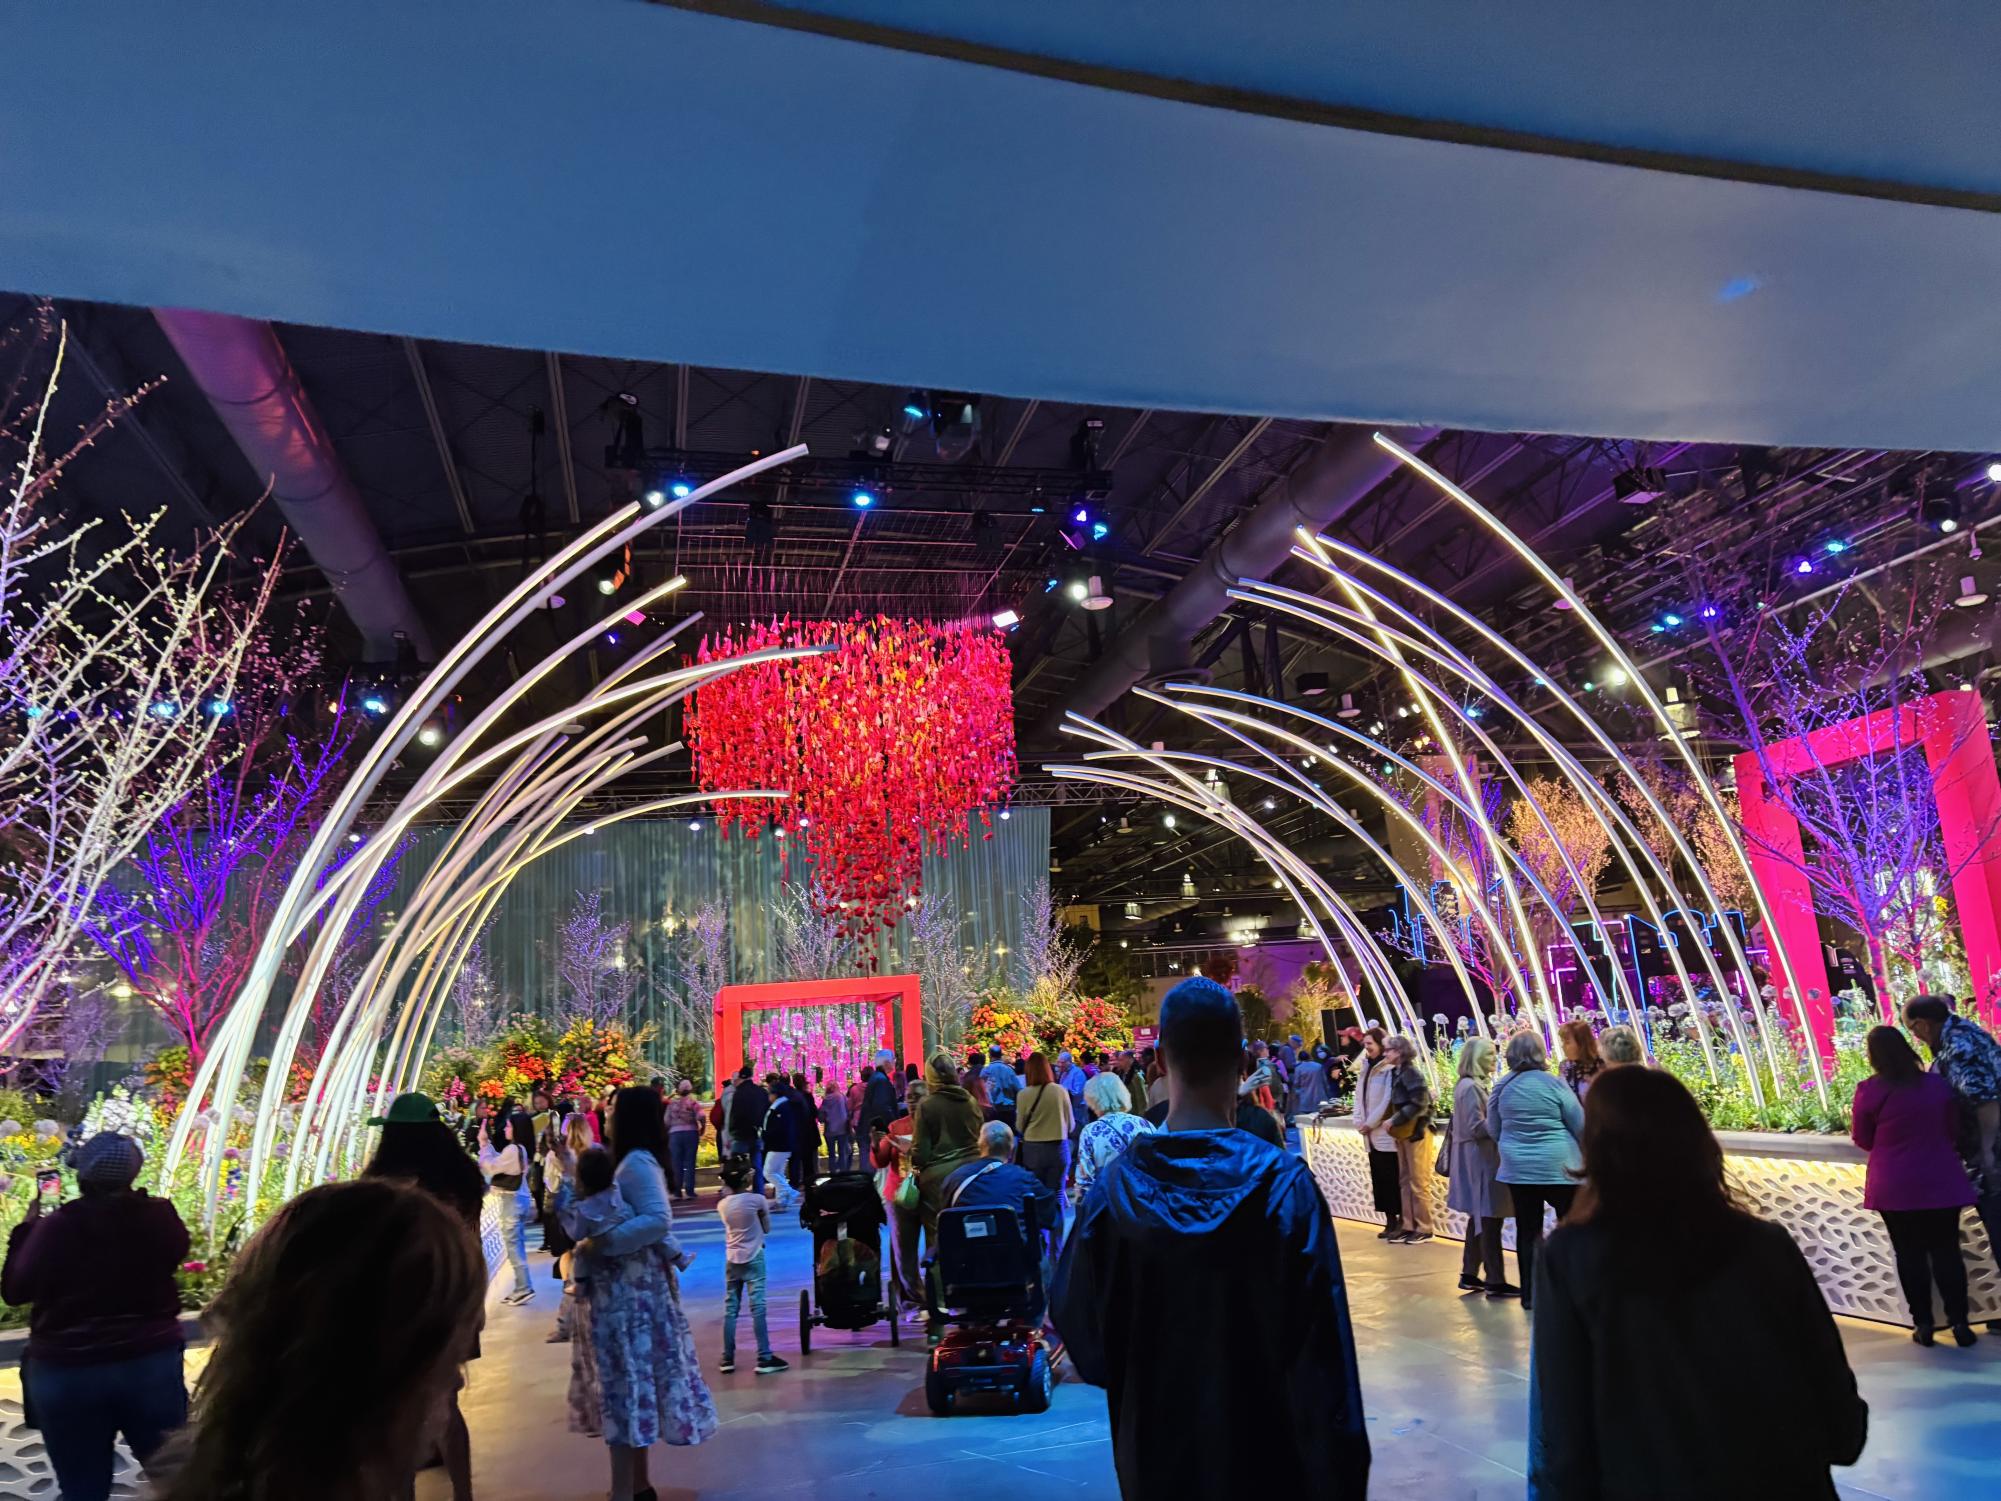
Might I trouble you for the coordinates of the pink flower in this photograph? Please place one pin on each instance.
(194, 1266)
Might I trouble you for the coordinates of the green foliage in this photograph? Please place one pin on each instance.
(1108, 971)
(691, 1061)
(1257, 1010)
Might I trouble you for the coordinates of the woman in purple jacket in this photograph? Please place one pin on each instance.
(1906, 1120)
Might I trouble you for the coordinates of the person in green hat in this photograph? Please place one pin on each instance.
(417, 1147)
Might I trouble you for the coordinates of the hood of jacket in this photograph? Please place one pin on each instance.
(1189, 1182)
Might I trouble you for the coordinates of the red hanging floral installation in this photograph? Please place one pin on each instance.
(888, 745)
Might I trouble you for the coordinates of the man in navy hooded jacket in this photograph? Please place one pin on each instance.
(1202, 1288)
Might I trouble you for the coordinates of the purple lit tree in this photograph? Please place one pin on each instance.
(1873, 853)
(597, 980)
(206, 878)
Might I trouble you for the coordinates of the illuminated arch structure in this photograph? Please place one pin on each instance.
(537, 777)
(1291, 750)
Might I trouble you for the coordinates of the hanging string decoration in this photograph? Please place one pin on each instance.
(890, 746)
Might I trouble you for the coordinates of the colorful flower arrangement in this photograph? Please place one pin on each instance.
(888, 745)
(1047, 1022)
(838, 1040)
(586, 1058)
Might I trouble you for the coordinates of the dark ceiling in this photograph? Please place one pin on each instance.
(448, 500)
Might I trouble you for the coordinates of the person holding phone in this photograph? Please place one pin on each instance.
(104, 1335)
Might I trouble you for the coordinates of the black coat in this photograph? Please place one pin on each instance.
(747, 1108)
(1724, 1380)
(781, 1125)
(879, 1102)
(1215, 1392)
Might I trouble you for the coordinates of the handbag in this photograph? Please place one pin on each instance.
(908, 1196)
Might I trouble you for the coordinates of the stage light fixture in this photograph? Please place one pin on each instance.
(1639, 485)
(1708, 612)
(1081, 516)
(1096, 595)
(1804, 565)
(218, 707)
(165, 708)
(354, 839)
(1006, 620)
(1314, 685)
(862, 499)
(1670, 620)
(916, 411)
(375, 704)
(1834, 547)
(1941, 506)
(1099, 531)
(1615, 677)
(694, 824)
(430, 734)
(1268, 804)
(1970, 595)
(1561, 602)
(1168, 820)
(1994, 473)
(1079, 591)
(1004, 815)
(681, 489)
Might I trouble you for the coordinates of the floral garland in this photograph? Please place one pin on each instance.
(888, 746)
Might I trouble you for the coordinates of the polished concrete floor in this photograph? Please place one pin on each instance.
(1443, 1379)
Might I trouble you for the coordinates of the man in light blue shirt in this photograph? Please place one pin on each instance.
(1003, 1084)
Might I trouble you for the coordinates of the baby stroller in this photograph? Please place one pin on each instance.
(845, 1214)
(988, 1285)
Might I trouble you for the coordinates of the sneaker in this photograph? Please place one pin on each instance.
(1398, 1237)
(1416, 1237)
(516, 1299)
(771, 1365)
(726, 1365)
(1471, 1284)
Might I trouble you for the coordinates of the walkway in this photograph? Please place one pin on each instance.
(1443, 1378)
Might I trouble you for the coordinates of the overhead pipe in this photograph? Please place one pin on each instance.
(241, 368)
(1154, 647)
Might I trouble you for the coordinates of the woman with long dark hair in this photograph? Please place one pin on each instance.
(1581, 1061)
(1907, 1121)
(338, 1338)
(648, 1377)
(1372, 1114)
(1665, 1312)
(506, 1151)
(418, 1148)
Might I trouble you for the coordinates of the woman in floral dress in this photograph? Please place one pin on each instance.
(650, 1388)
(1112, 1129)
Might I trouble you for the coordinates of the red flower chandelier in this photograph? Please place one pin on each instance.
(888, 745)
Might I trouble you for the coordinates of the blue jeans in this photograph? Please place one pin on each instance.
(82, 1409)
(736, 1276)
(840, 1152)
(516, 1209)
(681, 1154)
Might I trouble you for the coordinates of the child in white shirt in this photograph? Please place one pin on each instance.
(746, 1218)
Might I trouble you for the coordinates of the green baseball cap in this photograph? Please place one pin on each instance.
(407, 1110)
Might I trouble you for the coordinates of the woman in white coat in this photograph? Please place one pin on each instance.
(1373, 1077)
(1472, 1186)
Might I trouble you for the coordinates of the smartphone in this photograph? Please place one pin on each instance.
(49, 1184)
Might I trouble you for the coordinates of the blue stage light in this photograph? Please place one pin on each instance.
(1834, 546)
(862, 499)
(1804, 565)
(375, 704)
(680, 489)
(1099, 531)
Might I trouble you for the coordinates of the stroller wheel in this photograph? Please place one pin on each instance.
(805, 1322)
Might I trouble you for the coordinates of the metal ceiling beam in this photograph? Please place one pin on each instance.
(1200, 492)
(1014, 435)
(1343, 470)
(240, 366)
(445, 459)
(559, 410)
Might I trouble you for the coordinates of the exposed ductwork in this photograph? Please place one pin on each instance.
(241, 368)
(1348, 465)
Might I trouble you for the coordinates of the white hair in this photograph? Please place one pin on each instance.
(1107, 1094)
(996, 1139)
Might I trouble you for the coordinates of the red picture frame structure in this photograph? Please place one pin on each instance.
(1952, 728)
(885, 992)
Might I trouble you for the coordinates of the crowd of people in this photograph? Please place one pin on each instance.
(366, 1298)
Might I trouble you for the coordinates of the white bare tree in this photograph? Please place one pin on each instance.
(113, 657)
(943, 969)
(810, 944)
(1046, 961)
(694, 965)
(597, 981)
